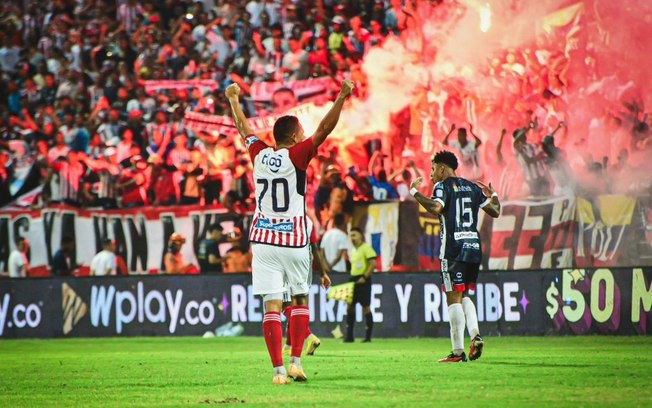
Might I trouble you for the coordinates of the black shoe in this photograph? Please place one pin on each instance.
(348, 340)
(475, 350)
(452, 358)
(366, 341)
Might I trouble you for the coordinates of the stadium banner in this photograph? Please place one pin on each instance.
(141, 234)
(564, 232)
(263, 91)
(568, 301)
(379, 223)
(529, 235)
(610, 232)
(261, 124)
(157, 85)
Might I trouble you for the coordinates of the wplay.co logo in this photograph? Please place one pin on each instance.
(73, 308)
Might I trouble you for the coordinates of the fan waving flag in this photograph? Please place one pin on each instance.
(342, 292)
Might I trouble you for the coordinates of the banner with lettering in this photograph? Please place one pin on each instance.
(529, 235)
(157, 85)
(141, 234)
(263, 91)
(224, 124)
(571, 301)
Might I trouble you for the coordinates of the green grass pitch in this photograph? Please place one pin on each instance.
(514, 371)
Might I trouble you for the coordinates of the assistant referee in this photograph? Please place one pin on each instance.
(363, 263)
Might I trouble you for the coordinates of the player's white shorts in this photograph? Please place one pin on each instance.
(279, 269)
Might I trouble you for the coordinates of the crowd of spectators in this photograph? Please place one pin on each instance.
(78, 121)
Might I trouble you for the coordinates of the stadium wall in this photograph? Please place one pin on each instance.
(566, 301)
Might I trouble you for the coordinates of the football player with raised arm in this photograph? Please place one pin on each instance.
(279, 232)
(456, 201)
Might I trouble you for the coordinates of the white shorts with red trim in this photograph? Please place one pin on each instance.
(279, 269)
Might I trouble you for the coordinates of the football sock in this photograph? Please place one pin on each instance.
(287, 312)
(308, 332)
(299, 318)
(471, 317)
(456, 316)
(350, 321)
(369, 319)
(273, 332)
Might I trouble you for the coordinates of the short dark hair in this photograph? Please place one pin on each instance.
(284, 127)
(446, 158)
(339, 220)
(356, 229)
(215, 226)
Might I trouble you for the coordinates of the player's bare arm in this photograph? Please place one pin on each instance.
(432, 206)
(233, 95)
(493, 209)
(322, 267)
(329, 121)
(367, 273)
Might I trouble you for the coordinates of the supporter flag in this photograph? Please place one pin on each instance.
(603, 226)
(342, 292)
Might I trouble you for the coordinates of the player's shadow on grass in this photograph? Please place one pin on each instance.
(540, 364)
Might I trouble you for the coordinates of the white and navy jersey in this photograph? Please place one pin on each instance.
(280, 179)
(461, 199)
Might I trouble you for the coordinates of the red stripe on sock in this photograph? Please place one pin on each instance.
(273, 332)
(299, 327)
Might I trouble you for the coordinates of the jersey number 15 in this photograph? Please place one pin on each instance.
(463, 213)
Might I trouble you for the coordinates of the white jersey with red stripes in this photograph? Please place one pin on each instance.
(280, 179)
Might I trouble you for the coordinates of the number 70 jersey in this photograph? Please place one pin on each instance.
(461, 200)
(280, 187)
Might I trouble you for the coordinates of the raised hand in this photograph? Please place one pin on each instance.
(347, 88)
(416, 183)
(487, 190)
(232, 91)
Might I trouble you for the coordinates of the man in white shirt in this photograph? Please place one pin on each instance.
(335, 245)
(18, 263)
(104, 263)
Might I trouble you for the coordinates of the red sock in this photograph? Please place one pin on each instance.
(308, 332)
(273, 332)
(287, 312)
(300, 318)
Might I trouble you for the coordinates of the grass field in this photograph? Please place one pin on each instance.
(514, 371)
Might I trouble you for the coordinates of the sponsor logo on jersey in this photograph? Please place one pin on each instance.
(280, 227)
(273, 161)
(471, 245)
(465, 235)
(457, 188)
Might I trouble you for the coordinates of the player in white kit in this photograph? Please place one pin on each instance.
(279, 233)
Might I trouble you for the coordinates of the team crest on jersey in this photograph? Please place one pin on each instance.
(439, 193)
(250, 140)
